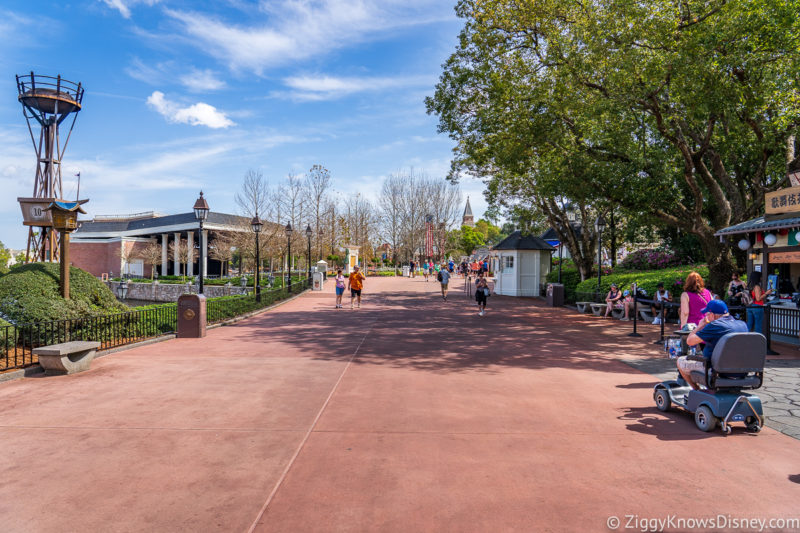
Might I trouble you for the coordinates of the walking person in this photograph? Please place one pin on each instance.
(340, 279)
(482, 294)
(412, 266)
(355, 283)
(444, 279)
(425, 270)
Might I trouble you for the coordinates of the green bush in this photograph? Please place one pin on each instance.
(673, 279)
(381, 273)
(570, 277)
(30, 293)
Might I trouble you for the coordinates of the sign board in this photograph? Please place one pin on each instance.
(34, 211)
(794, 178)
(784, 257)
(783, 201)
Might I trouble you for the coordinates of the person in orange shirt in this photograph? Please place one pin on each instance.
(355, 283)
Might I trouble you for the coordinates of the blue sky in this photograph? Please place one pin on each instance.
(188, 95)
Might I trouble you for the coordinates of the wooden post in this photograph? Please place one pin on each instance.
(64, 261)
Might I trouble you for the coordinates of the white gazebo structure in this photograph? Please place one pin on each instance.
(521, 264)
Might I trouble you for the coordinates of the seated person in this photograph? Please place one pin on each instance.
(612, 298)
(661, 297)
(626, 304)
(712, 327)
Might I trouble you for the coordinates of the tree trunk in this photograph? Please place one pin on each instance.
(720, 262)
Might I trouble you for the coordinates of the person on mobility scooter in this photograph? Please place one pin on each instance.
(710, 385)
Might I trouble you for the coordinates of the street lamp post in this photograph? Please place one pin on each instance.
(201, 214)
(308, 234)
(289, 256)
(256, 224)
(600, 226)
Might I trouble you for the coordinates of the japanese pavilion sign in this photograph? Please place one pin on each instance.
(784, 257)
(783, 201)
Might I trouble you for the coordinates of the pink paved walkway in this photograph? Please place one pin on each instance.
(410, 414)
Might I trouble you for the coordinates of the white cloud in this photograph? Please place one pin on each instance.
(124, 6)
(202, 81)
(299, 29)
(199, 114)
(329, 87)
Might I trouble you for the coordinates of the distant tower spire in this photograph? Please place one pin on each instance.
(468, 219)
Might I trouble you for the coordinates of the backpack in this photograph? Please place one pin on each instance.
(745, 298)
(439, 276)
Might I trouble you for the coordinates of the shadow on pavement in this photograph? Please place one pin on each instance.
(420, 331)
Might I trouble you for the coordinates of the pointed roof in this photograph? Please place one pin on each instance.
(516, 241)
(468, 209)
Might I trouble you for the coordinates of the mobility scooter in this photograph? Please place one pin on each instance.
(736, 364)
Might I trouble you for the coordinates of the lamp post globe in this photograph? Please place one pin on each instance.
(201, 210)
(600, 226)
(256, 224)
(289, 231)
(308, 234)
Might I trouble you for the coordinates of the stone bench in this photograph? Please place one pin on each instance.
(618, 312)
(66, 358)
(583, 307)
(646, 315)
(598, 309)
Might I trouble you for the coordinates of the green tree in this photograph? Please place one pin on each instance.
(5, 258)
(684, 111)
(470, 239)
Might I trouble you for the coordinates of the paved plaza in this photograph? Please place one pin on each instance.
(410, 414)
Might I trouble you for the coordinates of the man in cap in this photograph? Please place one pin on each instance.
(714, 325)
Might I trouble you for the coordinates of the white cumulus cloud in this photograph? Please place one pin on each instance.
(199, 114)
(329, 87)
(124, 6)
(286, 31)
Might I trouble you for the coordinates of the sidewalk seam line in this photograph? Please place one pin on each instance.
(285, 473)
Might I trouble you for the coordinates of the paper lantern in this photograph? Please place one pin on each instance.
(770, 239)
(744, 244)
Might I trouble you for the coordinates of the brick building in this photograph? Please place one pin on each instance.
(101, 246)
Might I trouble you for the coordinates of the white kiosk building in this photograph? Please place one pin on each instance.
(521, 264)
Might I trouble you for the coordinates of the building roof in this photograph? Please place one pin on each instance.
(551, 235)
(468, 209)
(159, 224)
(517, 241)
(760, 224)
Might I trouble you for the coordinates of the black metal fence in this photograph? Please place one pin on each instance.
(17, 341)
(226, 307)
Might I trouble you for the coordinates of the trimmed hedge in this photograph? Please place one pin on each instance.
(673, 279)
(570, 278)
(30, 293)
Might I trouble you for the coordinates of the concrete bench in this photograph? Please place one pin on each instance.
(583, 307)
(618, 312)
(646, 315)
(66, 358)
(598, 309)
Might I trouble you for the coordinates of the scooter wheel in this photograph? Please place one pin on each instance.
(705, 419)
(752, 425)
(663, 403)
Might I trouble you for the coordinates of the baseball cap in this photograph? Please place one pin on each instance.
(626, 292)
(613, 284)
(718, 307)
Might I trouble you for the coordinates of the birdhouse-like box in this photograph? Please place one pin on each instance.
(65, 214)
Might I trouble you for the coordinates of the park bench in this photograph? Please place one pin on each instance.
(66, 358)
(598, 309)
(618, 312)
(583, 307)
